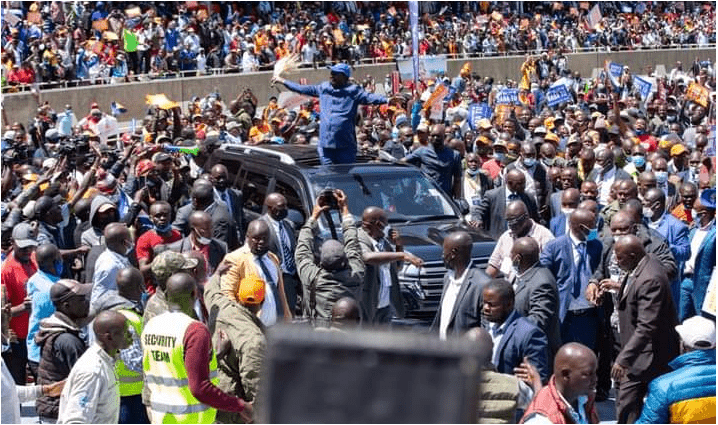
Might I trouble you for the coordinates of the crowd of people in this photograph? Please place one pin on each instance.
(135, 290)
(95, 42)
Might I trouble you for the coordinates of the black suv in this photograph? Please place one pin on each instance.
(421, 212)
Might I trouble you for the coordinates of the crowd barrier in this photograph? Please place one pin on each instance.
(22, 106)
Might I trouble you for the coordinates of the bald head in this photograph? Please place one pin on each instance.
(258, 237)
(129, 283)
(374, 220)
(483, 340)
(515, 209)
(457, 249)
(46, 255)
(629, 252)
(111, 332)
(199, 219)
(581, 222)
(589, 205)
(181, 291)
(525, 253)
(202, 194)
(655, 199)
(117, 238)
(345, 312)
(570, 198)
(634, 208)
(515, 181)
(575, 371)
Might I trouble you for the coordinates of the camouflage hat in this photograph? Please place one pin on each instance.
(169, 262)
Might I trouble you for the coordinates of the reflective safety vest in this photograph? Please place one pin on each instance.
(130, 382)
(171, 400)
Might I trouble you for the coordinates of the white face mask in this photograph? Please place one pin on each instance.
(201, 239)
(387, 231)
(567, 211)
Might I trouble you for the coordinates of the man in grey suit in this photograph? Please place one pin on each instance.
(219, 176)
(460, 305)
(492, 208)
(200, 239)
(203, 200)
(567, 179)
(536, 292)
(282, 243)
(381, 293)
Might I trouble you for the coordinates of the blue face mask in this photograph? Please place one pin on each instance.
(529, 162)
(501, 157)
(639, 160)
(592, 235)
(59, 267)
(661, 177)
(166, 228)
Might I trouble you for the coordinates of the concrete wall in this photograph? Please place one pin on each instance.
(21, 106)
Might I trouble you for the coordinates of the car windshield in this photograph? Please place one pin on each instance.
(406, 196)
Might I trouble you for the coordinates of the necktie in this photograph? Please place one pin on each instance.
(513, 197)
(225, 198)
(272, 284)
(289, 265)
(581, 248)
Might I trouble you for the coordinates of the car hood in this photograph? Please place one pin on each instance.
(426, 239)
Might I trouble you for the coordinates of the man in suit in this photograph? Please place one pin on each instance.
(219, 177)
(535, 289)
(568, 178)
(569, 203)
(200, 239)
(460, 305)
(381, 298)
(647, 322)
(605, 174)
(493, 207)
(672, 229)
(572, 259)
(702, 262)
(684, 210)
(514, 336)
(203, 200)
(282, 243)
(536, 176)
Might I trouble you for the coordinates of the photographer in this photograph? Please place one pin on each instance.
(340, 272)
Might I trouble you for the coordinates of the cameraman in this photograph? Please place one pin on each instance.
(340, 272)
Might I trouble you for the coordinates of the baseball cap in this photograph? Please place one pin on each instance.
(63, 288)
(24, 235)
(540, 130)
(708, 199)
(251, 290)
(144, 167)
(331, 254)
(677, 150)
(341, 68)
(698, 332)
(161, 157)
(168, 263)
(484, 124)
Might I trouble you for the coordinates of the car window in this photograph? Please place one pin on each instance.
(233, 167)
(254, 187)
(406, 195)
(294, 202)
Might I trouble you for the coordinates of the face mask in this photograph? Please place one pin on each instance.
(592, 235)
(143, 300)
(59, 267)
(661, 177)
(529, 162)
(648, 213)
(471, 172)
(549, 161)
(639, 160)
(201, 239)
(567, 211)
(164, 229)
(387, 231)
(500, 156)
(281, 215)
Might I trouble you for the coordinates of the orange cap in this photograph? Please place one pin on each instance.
(251, 290)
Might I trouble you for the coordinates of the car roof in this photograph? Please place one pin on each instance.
(303, 156)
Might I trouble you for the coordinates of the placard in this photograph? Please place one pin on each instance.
(698, 94)
(557, 95)
(508, 96)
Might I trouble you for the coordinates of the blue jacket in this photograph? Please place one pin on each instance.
(557, 256)
(522, 339)
(676, 234)
(338, 110)
(694, 376)
(557, 225)
(693, 289)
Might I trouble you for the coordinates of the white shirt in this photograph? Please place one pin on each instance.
(384, 280)
(447, 304)
(91, 393)
(268, 313)
(604, 185)
(696, 243)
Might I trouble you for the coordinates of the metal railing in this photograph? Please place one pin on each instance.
(9, 88)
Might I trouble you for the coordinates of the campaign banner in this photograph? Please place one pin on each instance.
(508, 96)
(428, 67)
(478, 111)
(698, 94)
(395, 82)
(643, 86)
(557, 95)
(414, 20)
(437, 96)
(614, 71)
(452, 92)
(710, 149)
(290, 100)
(594, 17)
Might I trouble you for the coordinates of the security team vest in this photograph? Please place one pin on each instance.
(131, 382)
(165, 375)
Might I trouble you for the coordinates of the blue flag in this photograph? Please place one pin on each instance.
(414, 19)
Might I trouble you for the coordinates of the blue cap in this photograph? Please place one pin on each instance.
(341, 68)
(708, 198)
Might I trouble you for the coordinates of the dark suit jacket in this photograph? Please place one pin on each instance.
(237, 211)
(537, 300)
(522, 339)
(557, 256)
(492, 210)
(370, 291)
(274, 246)
(467, 308)
(558, 225)
(217, 250)
(222, 224)
(620, 174)
(647, 320)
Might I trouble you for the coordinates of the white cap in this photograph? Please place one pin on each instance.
(698, 333)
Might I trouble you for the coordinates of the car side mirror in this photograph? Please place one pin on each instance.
(463, 205)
